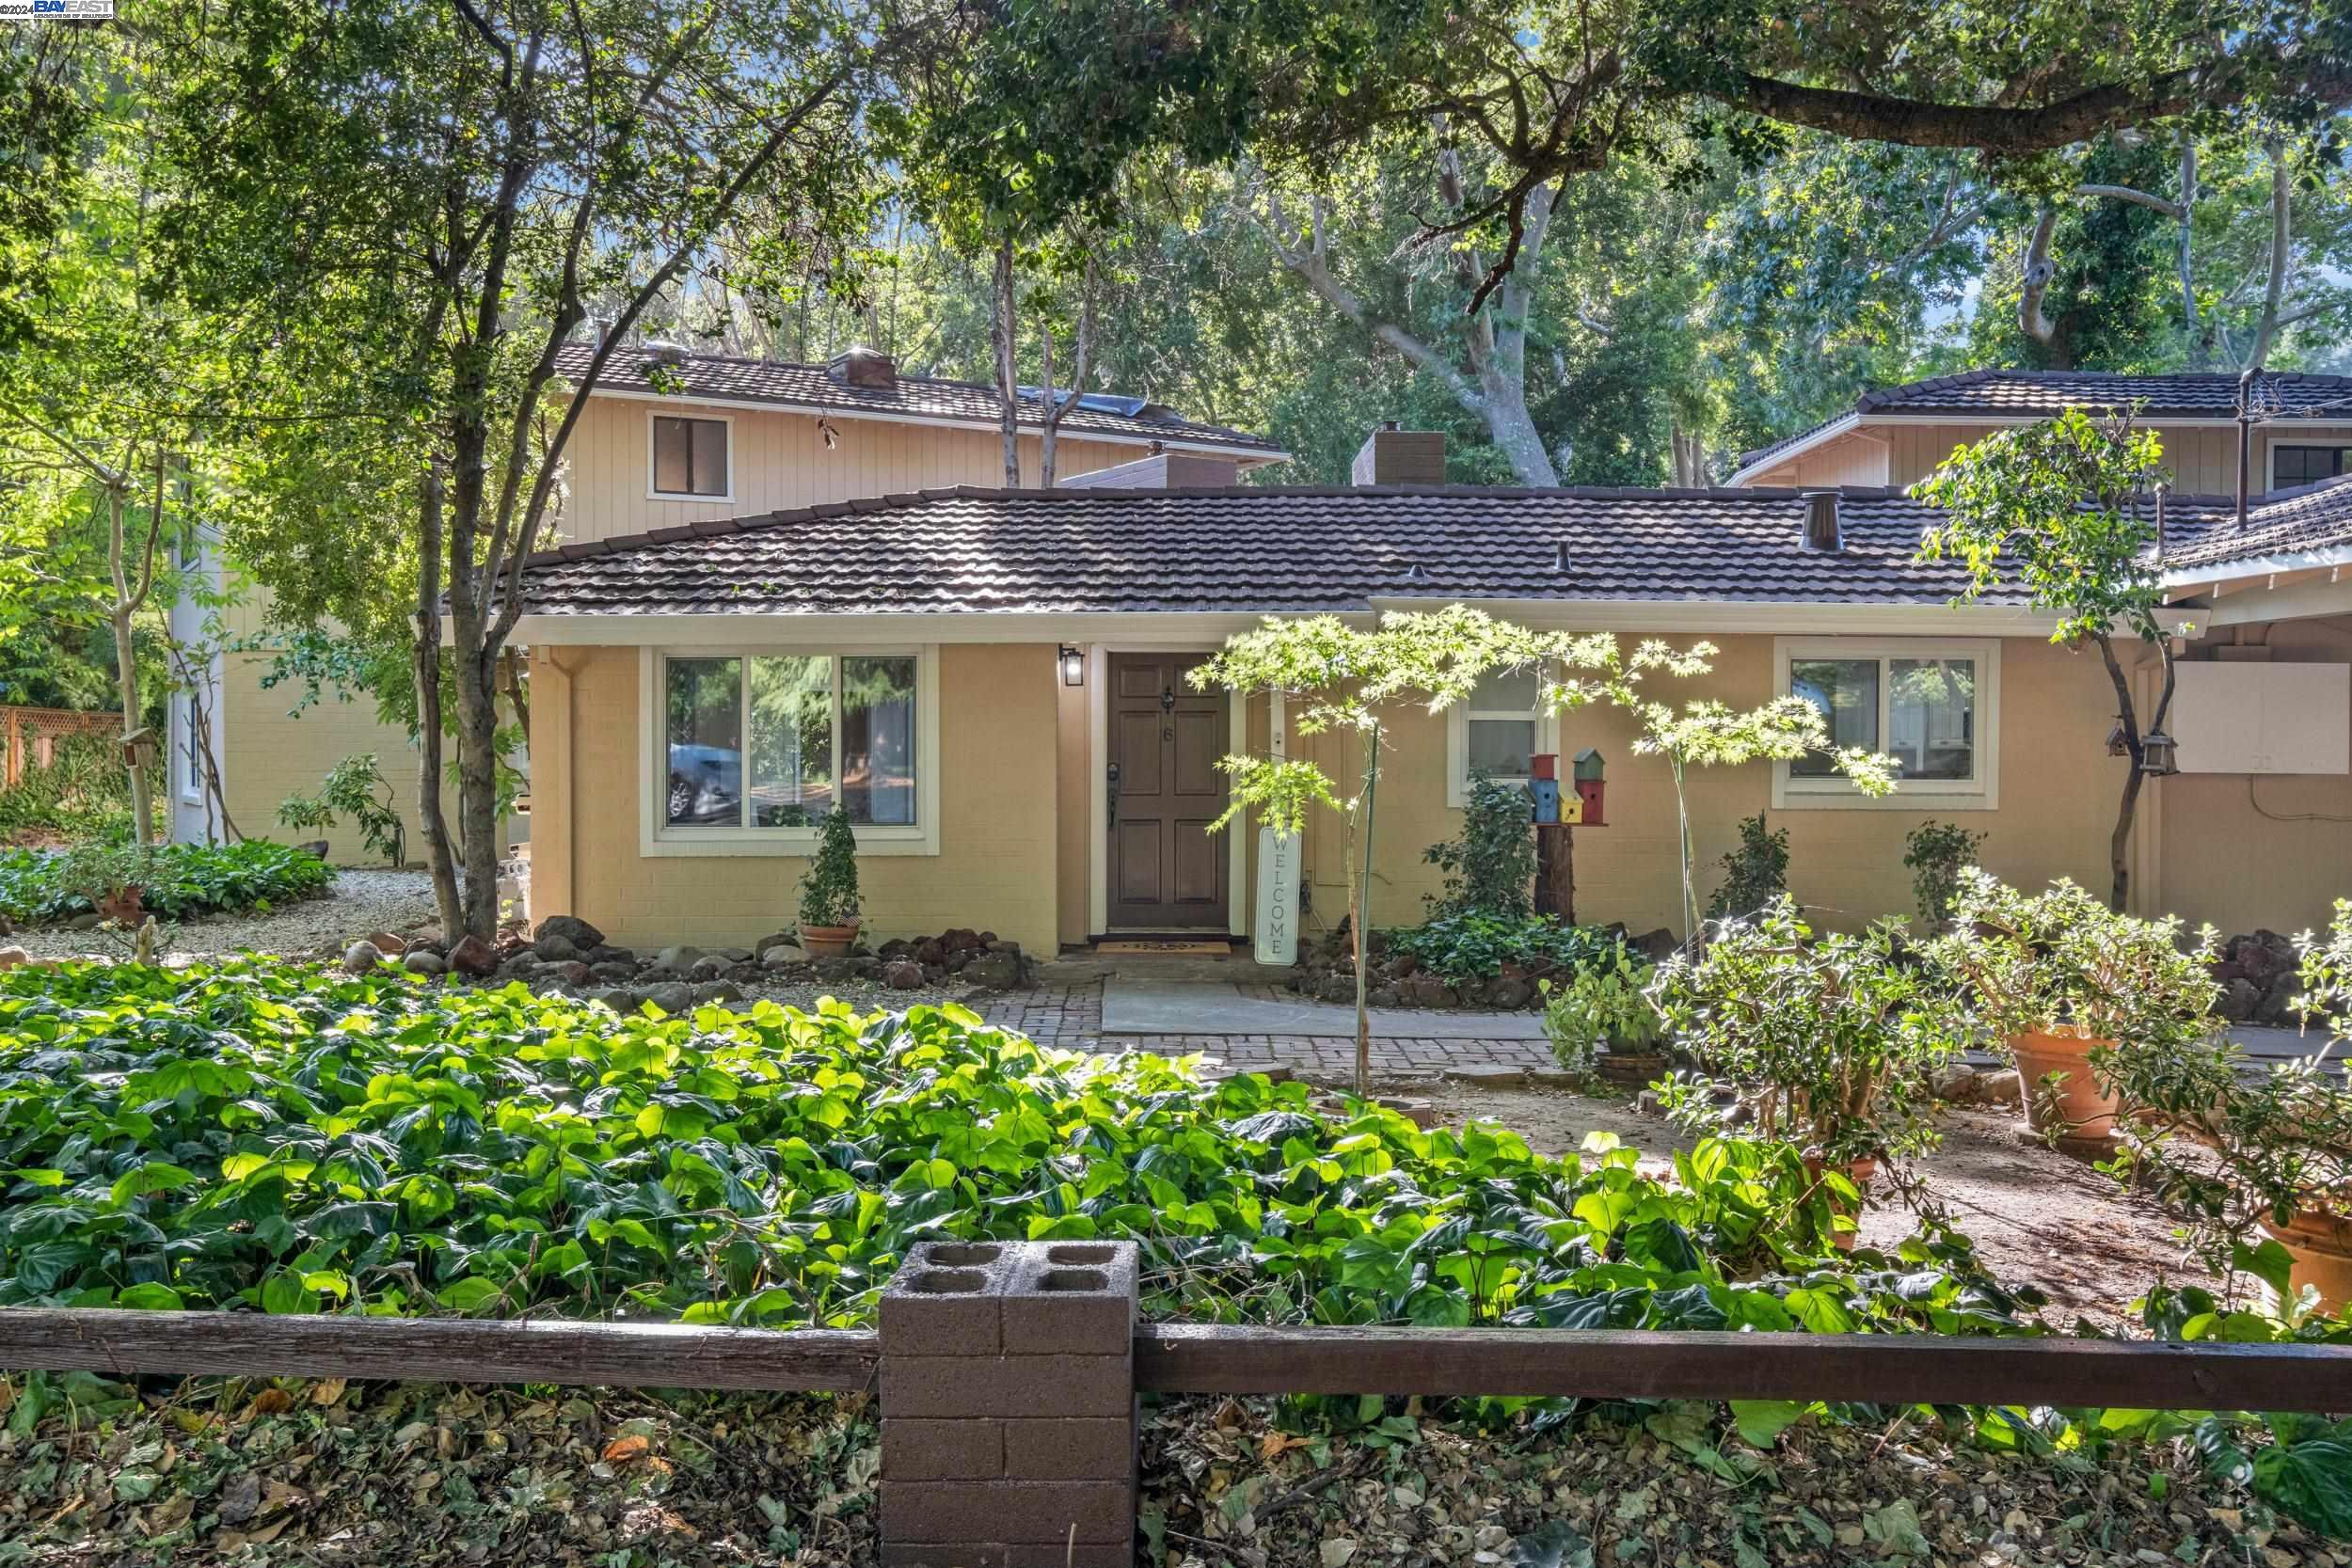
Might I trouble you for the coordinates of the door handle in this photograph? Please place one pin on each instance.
(1110, 790)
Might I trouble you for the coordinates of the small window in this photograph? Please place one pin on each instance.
(1495, 731)
(2293, 465)
(690, 457)
(773, 740)
(1928, 705)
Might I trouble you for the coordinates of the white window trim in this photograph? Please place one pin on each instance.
(184, 749)
(1458, 720)
(656, 841)
(655, 493)
(1838, 793)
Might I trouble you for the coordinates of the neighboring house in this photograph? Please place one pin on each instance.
(733, 436)
(992, 682)
(1898, 434)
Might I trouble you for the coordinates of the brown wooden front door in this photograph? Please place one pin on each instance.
(1165, 868)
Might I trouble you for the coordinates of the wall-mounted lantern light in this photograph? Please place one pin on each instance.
(2160, 754)
(1074, 666)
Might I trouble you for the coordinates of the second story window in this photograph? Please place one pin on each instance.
(690, 458)
(2293, 465)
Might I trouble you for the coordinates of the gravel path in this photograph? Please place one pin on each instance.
(361, 902)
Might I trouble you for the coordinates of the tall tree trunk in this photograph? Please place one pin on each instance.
(119, 614)
(1359, 899)
(425, 670)
(2127, 809)
(477, 781)
(2186, 260)
(2267, 332)
(1081, 351)
(1001, 328)
(2039, 270)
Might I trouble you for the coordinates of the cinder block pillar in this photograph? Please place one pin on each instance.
(1008, 1406)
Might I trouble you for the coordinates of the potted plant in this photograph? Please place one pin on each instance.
(2268, 1154)
(1602, 1018)
(1836, 1040)
(2088, 1001)
(829, 898)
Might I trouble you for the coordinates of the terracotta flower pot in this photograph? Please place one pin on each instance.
(1634, 1068)
(828, 941)
(2085, 1116)
(124, 907)
(2321, 1245)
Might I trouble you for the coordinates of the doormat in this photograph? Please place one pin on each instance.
(1181, 946)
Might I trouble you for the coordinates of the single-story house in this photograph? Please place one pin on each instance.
(992, 682)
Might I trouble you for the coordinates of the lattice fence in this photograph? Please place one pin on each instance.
(32, 735)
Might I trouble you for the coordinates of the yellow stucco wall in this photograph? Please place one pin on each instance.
(998, 852)
(2244, 851)
(2058, 791)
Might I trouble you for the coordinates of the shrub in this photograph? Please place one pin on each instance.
(828, 894)
(176, 881)
(1842, 1038)
(2060, 958)
(354, 787)
(1754, 873)
(1474, 947)
(1601, 1003)
(1937, 852)
(1490, 867)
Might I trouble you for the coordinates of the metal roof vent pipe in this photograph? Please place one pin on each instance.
(1821, 530)
(1559, 557)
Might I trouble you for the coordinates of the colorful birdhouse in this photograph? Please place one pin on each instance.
(1589, 793)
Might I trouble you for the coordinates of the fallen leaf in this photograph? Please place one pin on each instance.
(269, 1401)
(622, 1450)
(329, 1389)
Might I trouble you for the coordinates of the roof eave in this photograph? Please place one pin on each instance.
(1251, 455)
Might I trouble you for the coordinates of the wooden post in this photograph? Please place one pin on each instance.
(16, 748)
(1556, 871)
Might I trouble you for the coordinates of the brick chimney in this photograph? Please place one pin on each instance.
(1393, 456)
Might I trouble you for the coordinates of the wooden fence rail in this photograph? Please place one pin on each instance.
(1647, 1364)
(247, 1344)
(1209, 1359)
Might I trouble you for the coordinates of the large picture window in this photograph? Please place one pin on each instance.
(1929, 705)
(753, 748)
(690, 459)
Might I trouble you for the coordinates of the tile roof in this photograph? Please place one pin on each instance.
(2285, 523)
(797, 386)
(2040, 394)
(977, 551)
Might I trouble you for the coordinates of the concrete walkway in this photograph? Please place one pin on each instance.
(1137, 1005)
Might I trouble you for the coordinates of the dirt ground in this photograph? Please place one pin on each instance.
(2036, 1216)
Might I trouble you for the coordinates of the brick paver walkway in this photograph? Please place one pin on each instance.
(1070, 1018)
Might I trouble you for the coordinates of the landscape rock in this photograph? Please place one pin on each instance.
(709, 967)
(767, 943)
(1426, 990)
(388, 944)
(1509, 994)
(555, 947)
(361, 957)
(995, 970)
(2239, 998)
(611, 971)
(422, 963)
(784, 955)
(473, 957)
(902, 974)
(717, 993)
(11, 957)
(679, 957)
(571, 974)
(621, 999)
(672, 996)
(87, 920)
(572, 930)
